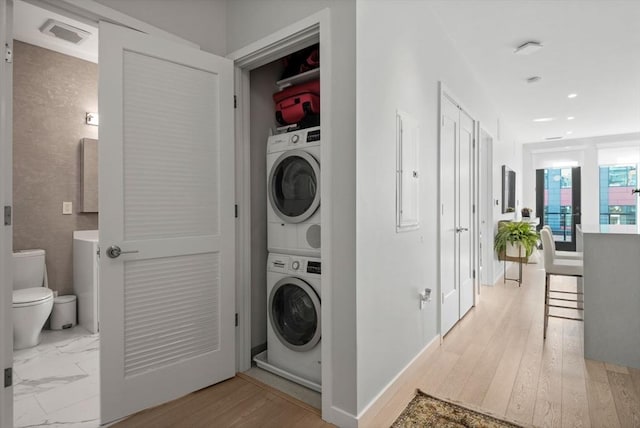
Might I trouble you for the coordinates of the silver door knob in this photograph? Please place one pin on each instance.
(462, 229)
(114, 251)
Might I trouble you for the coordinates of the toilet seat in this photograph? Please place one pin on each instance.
(31, 296)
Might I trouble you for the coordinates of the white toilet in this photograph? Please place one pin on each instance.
(32, 300)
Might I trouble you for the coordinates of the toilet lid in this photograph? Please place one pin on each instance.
(31, 295)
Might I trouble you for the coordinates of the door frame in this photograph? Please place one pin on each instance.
(444, 91)
(6, 199)
(87, 11)
(313, 29)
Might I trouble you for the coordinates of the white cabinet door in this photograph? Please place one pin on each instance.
(464, 189)
(450, 296)
(167, 201)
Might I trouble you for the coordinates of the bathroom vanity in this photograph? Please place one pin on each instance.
(85, 277)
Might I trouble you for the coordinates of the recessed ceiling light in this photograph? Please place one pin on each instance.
(569, 132)
(544, 119)
(572, 95)
(570, 117)
(534, 79)
(528, 48)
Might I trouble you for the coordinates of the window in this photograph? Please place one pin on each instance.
(617, 204)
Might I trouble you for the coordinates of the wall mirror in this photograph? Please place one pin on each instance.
(508, 190)
(89, 175)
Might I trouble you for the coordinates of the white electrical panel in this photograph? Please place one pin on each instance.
(407, 173)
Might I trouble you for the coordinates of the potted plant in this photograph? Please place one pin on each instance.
(515, 239)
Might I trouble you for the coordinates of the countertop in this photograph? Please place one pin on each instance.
(86, 235)
(619, 229)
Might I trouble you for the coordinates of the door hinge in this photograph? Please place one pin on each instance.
(236, 212)
(98, 252)
(473, 209)
(8, 53)
(8, 377)
(7, 215)
(236, 319)
(235, 101)
(474, 274)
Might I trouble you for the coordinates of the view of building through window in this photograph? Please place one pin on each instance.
(617, 204)
(558, 202)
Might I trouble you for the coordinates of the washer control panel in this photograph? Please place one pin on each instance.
(294, 264)
(290, 140)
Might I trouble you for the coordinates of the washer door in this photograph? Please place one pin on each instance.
(294, 186)
(294, 312)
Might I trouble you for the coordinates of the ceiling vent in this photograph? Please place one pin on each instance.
(534, 79)
(553, 138)
(65, 32)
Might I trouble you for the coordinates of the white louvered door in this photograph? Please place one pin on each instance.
(167, 201)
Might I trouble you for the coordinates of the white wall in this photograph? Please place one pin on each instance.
(582, 152)
(402, 53)
(199, 21)
(249, 21)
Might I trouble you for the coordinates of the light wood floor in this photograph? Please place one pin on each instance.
(496, 360)
(240, 402)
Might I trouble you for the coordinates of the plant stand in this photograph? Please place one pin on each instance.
(518, 259)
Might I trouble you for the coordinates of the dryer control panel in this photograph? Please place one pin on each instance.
(294, 264)
(296, 139)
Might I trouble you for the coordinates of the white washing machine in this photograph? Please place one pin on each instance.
(293, 190)
(294, 327)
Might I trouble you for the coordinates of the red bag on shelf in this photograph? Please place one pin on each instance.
(295, 103)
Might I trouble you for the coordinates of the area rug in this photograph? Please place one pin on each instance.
(427, 411)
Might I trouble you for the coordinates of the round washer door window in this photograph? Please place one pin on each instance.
(294, 312)
(294, 186)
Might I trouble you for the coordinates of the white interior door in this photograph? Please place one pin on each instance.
(450, 298)
(166, 159)
(456, 213)
(464, 214)
(6, 231)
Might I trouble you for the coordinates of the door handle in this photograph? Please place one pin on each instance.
(114, 252)
(462, 229)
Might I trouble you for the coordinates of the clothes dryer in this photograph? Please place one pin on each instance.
(293, 310)
(293, 192)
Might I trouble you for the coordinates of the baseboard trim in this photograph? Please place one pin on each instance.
(340, 418)
(391, 401)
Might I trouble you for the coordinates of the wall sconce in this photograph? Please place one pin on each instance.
(92, 119)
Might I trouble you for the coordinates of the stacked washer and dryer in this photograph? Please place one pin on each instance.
(293, 264)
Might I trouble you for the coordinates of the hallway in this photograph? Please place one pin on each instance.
(496, 360)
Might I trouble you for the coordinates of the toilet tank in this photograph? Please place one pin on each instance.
(28, 269)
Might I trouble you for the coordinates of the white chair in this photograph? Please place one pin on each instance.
(571, 255)
(561, 267)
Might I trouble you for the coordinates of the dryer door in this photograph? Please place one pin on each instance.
(294, 186)
(294, 312)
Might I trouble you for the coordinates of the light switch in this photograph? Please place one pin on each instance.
(67, 208)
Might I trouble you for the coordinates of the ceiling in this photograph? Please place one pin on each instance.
(590, 48)
(27, 20)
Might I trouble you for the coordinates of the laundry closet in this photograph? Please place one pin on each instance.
(285, 217)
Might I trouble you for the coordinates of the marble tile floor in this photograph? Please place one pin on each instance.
(56, 382)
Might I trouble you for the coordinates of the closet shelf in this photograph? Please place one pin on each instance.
(299, 78)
